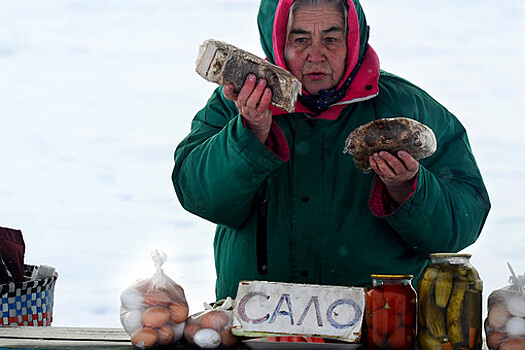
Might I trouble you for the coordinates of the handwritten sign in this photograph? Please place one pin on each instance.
(272, 308)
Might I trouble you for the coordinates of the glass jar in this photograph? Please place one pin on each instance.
(449, 314)
(391, 306)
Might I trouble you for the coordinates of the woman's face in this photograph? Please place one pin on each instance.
(315, 48)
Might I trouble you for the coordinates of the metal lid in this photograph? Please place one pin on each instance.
(450, 255)
(391, 277)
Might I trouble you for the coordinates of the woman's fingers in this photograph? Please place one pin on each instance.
(253, 99)
(246, 90)
(265, 101)
(395, 164)
(383, 162)
(411, 164)
(255, 96)
(394, 168)
(229, 93)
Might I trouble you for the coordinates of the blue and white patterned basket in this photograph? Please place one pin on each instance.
(28, 303)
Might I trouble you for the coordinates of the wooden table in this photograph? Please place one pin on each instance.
(64, 338)
(59, 338)
(69, 338)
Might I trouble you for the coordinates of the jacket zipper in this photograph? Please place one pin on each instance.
(262, 227)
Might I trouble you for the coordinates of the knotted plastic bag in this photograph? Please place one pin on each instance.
(154, 310)
(211, 328)
(505, 323)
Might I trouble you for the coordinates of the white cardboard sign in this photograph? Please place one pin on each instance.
(272, 308)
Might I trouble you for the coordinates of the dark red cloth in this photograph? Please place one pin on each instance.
(380, 202)
(12, 250)
(276, 141)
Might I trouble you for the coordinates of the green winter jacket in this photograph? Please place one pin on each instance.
(296, 209)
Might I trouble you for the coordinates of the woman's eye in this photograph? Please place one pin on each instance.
(300, 40)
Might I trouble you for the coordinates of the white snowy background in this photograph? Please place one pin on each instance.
(96, 94)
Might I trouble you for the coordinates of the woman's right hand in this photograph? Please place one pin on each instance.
(253, 102)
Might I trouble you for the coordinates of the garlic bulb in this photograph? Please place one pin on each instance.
(178, 331)
(132, 299)
(516, 327)
(131, 321)
(207, 338)
(516, 306)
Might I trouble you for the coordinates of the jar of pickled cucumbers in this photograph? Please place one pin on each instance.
(390, 315)
(449, 313)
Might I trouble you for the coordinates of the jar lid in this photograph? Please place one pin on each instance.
(450, 255)
(392, 277)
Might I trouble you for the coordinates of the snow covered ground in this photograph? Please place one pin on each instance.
(96, 94)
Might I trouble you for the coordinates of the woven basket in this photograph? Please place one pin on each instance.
(28, 303)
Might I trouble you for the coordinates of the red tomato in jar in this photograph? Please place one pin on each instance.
(398, 297)
(385, 321)
(402, 338)
(409, 319)
(375, 339)
(375, 299)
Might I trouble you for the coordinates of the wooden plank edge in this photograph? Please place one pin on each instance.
(65, 333)
(64, 344)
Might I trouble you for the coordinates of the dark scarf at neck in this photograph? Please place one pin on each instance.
(320, 103)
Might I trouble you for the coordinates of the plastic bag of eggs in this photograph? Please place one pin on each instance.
(153, 316)
(505, 323)
(210, 329)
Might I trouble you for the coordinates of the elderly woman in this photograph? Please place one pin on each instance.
(288, 204)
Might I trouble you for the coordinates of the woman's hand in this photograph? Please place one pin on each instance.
(397, 173)
(253, 102)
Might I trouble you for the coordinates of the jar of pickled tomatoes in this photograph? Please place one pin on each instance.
(390, 315)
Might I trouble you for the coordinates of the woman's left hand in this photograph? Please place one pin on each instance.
(397, 173)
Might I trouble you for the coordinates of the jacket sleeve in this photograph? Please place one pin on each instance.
(449, 204)
(220, 165)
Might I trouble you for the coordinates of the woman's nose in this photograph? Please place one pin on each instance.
(316, 53)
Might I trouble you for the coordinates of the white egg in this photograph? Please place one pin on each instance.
(178, 331)
(207, 338)
(516, 306)
(131, 320)
(516, 327)
(132, 299)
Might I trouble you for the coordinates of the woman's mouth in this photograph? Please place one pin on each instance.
(316, 75)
